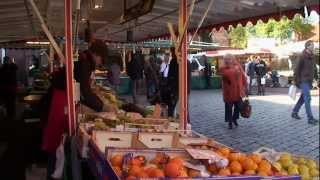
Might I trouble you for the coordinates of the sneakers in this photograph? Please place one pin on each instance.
(295, 116)
(313, 121)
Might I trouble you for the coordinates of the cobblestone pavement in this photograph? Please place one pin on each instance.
(270, 124)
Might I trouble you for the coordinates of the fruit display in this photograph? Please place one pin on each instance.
(153, 165)
(238, 163)
(289, 164)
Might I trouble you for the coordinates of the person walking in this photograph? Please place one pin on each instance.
(151, 78)
(135, 72)
(164, 69)
(250, 73)
(234, 88)
(207, 71)
(8, 85)
(261, 71)
(173, 82)
(303, 77)
(115, 72)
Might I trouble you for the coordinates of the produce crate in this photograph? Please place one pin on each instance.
(158, 140)
(147, 124)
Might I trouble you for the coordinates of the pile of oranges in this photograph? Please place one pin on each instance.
(159, 167)
(241, 164)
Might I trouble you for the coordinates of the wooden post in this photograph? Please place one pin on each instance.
(183, 86)
(69, 65)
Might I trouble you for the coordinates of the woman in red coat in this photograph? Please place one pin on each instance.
(234, 88)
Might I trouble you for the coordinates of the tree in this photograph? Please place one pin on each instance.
(281, 30)
(238, 37)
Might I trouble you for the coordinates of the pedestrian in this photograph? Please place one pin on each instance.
(173, 82)
(261, 71)
(8, 86)
(250, 71)
(303, 77)
(135, 72)
(115, 72)
(57, 119)
(151, 78)
(163, 80)
(207, 71)
(234, 88)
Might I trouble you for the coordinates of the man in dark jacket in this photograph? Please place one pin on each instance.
(135, 72)
(207, 71)
(303, 76)
(89, 60)
(261, 71)
(8, 85)
(173, 82)
(251, 73)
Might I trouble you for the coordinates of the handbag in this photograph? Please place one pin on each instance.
(292, 92)
(245, 108)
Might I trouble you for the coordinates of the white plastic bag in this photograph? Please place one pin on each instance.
(58, 172)
(263, 81)
(292, 92)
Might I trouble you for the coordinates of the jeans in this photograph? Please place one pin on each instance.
(250, 84)
(232, 111)
(151, 89)
(260, 86)
(305, 99)
(134, 90)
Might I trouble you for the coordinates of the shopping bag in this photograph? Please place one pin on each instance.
(60, 158)
(263, 81)
(245, 108)
(292, 92)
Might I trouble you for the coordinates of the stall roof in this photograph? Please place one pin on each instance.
(17, 21)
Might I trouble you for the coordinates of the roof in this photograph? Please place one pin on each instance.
(17, 20)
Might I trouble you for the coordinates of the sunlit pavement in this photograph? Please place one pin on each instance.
(270, 124)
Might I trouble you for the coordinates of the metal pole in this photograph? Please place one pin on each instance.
(69, 65)
(46, 30)
(183, 92)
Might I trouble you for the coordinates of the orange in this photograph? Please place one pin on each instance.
(134, 170)
(235, 167)
(235, 174)
(116, 160)
(136, 162)
(262, 173)
(249, 172)
(242, 157)
(149, 170)
(142, 174)
(224, 172)
(194, 173)
(117, 170)
(212, 168)
(248, 164)
(224, 151)
(234, 157)
(265, 166)
(177, 160)
(156, 173)
(256, 158)
(172, 169)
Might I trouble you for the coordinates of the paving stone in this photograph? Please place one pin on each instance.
(270, 124)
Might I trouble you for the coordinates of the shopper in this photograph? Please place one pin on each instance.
(8, 85)
(89, 60)
(251, 73)
(115, 72)
(135, 72)
(234, 88)
(151, 78)
(261, 71)
(303, 77)
(57, 120)
(173, 82)
(207, 71)
(164, 69)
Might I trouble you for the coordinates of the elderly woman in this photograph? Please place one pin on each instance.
(234, 87)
